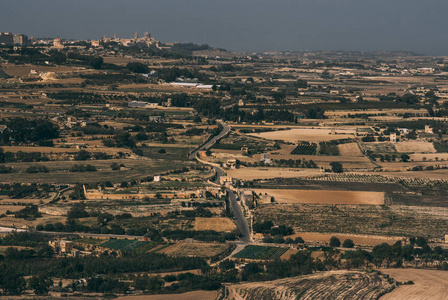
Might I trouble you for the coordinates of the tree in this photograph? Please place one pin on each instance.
(302, 84)
(11, 282)
(96, 62)
(137, 67)
(40, 284)
(336, 167)
(77, 211)
(348, 243)
(334, 242)
(82, 155)
(405, 157)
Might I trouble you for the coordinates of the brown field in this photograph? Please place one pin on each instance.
(14, 70)
(194, 249)
(321, 285)
(390, 111)
(363, 240)
(429, 157)
(67, 150)
(265, 173)
(306, 134)
(419, 147)
(428, 284)
(435, 174)
(196, 295)
(21, 223)
(324, 197)
(349, 149)
(12, 208)
(216, 224)
(394, 221)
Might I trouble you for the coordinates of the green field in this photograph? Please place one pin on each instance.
(59, 171)
(305, 148)
(261, 252)
(171, 153)
(129, 245)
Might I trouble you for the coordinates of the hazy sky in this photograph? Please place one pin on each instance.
(243, 25)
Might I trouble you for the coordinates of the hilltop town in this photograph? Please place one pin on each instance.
(132, 166)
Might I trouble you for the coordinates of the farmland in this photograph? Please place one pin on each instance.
(260, 252)
(324, 197)
(428, 284)
(305, 148)
(358, 240)
(311, 135)
(194, 249)
(368, 219)
(123, 244)
(323, 285)
(215, 224)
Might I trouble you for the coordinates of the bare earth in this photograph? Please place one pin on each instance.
(349, 149)
(419, 147)
(428, 284)
(324, 197)
(216, 224)
(265, 173)
(321, 285)
(196, 295)
(306, 134)
(358, 239)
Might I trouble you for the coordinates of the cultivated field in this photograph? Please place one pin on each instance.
(215, 224)
(415, 147)
(324, 197)
(306, 134)
(196, 295)
(363, 240)
(265, 173)
(395, 220)
(59, 171)
(194, 249)
(324, 285)
(428, 284)
(349, 149)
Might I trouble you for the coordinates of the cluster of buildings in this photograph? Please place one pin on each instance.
(8, 38)
(146, 40)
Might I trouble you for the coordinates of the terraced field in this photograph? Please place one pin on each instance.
(326, 285)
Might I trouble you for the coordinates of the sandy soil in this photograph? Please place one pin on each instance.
(324, 197)
(306, 134)
(428, 284)
(364, 240)
(265, 173)
(216, 224)
(196, 295)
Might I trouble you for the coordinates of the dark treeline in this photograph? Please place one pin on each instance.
(22, 130)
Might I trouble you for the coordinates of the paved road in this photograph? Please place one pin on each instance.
(210, 143)
(239, 218)
(238, 215)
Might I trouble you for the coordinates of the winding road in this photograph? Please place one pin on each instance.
(238, 215)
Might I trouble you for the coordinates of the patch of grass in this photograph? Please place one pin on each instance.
(441, 147)
(171, 153)
(4, 75)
